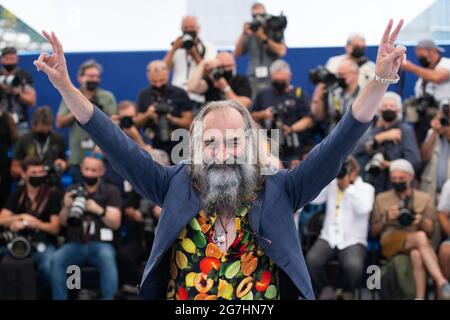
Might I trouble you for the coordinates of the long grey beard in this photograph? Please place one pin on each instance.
(226, 187)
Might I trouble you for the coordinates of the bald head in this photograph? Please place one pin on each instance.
(189, 24)
(157, 73)
(227, 60)
(348, 70)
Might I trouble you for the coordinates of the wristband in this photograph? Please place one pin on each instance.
(386, 81)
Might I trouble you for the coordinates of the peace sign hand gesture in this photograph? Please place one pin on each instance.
(54, 65)
(390, 58)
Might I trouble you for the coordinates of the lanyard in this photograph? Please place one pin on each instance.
(41, 151)
(339, 197)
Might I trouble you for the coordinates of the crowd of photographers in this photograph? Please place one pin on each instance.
(60, 209)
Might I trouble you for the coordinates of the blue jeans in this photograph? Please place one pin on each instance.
(43, 261)
(99, 254)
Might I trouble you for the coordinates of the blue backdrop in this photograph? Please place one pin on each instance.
(124, 72)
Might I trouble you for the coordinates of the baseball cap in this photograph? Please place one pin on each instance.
(429, 44)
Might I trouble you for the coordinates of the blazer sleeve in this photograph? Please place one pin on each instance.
(324, 162)
(149, 178)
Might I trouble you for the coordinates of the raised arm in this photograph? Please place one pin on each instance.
(326, 159)
(149, 178)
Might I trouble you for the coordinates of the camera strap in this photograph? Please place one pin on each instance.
(42, 150)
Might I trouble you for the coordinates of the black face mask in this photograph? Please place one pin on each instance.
(424, 62)
(90, 181)
(389, 115)
(228, 75)
(37, 181)
(279, 86)
(159, 90)
(9, 67)
(399, 186)
(342, 83)
(41, 136)
(358, 52)
(92, 85)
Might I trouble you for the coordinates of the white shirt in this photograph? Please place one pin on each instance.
(349, 224)
(444, 198)
(365, 71)
(439, 91)
(184, 65)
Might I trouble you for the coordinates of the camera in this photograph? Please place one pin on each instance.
(126, 122)
(54, 174)
(163, 109)
(406, 215)
(271, 23)
(76, 212)
(374, 166)
(19, 246)
(320, 74)
(279, 112)
(216, 74)
(188, 41)
(424, 103)
(444, 108)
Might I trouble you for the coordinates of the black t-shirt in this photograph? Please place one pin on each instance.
(239, 84)
(48, 203)
(289, 106)
(12, 103)
(92, 227)
(179, 101)
(5, 141)
(49, 150)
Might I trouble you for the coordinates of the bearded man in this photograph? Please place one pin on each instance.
(227, 229)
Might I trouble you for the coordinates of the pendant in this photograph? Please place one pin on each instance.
(219, 238)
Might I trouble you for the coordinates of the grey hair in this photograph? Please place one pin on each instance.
(258, 141)
(280, 65)
(390, 95)
(353, 36)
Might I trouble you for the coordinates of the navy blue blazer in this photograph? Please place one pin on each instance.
(272, 217)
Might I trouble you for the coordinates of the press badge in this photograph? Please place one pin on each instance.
(15, 117)
(106, 234)
(261, 72)
(87, 144)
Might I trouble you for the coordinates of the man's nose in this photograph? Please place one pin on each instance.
(221, 154)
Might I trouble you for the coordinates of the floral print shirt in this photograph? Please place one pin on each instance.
(199, 270)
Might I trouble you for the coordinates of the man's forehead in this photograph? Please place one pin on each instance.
(223, 120)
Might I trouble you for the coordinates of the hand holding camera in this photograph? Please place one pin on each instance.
(393, 213)
(151, 113)
(94, 207)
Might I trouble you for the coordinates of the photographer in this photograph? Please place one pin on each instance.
(42, 143)
(217, 80)
(187, 51)
(91, 215)
(433, 84)
(286, 108)
(89, 77)
(17, 92)
(8, 136)
(404, 218)
(32, 212)
(389, 139)
(355, 49)
(443, 209)
(162, 107)
(349, 202)
(436, 152)
(263, 40)
(334, 95)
